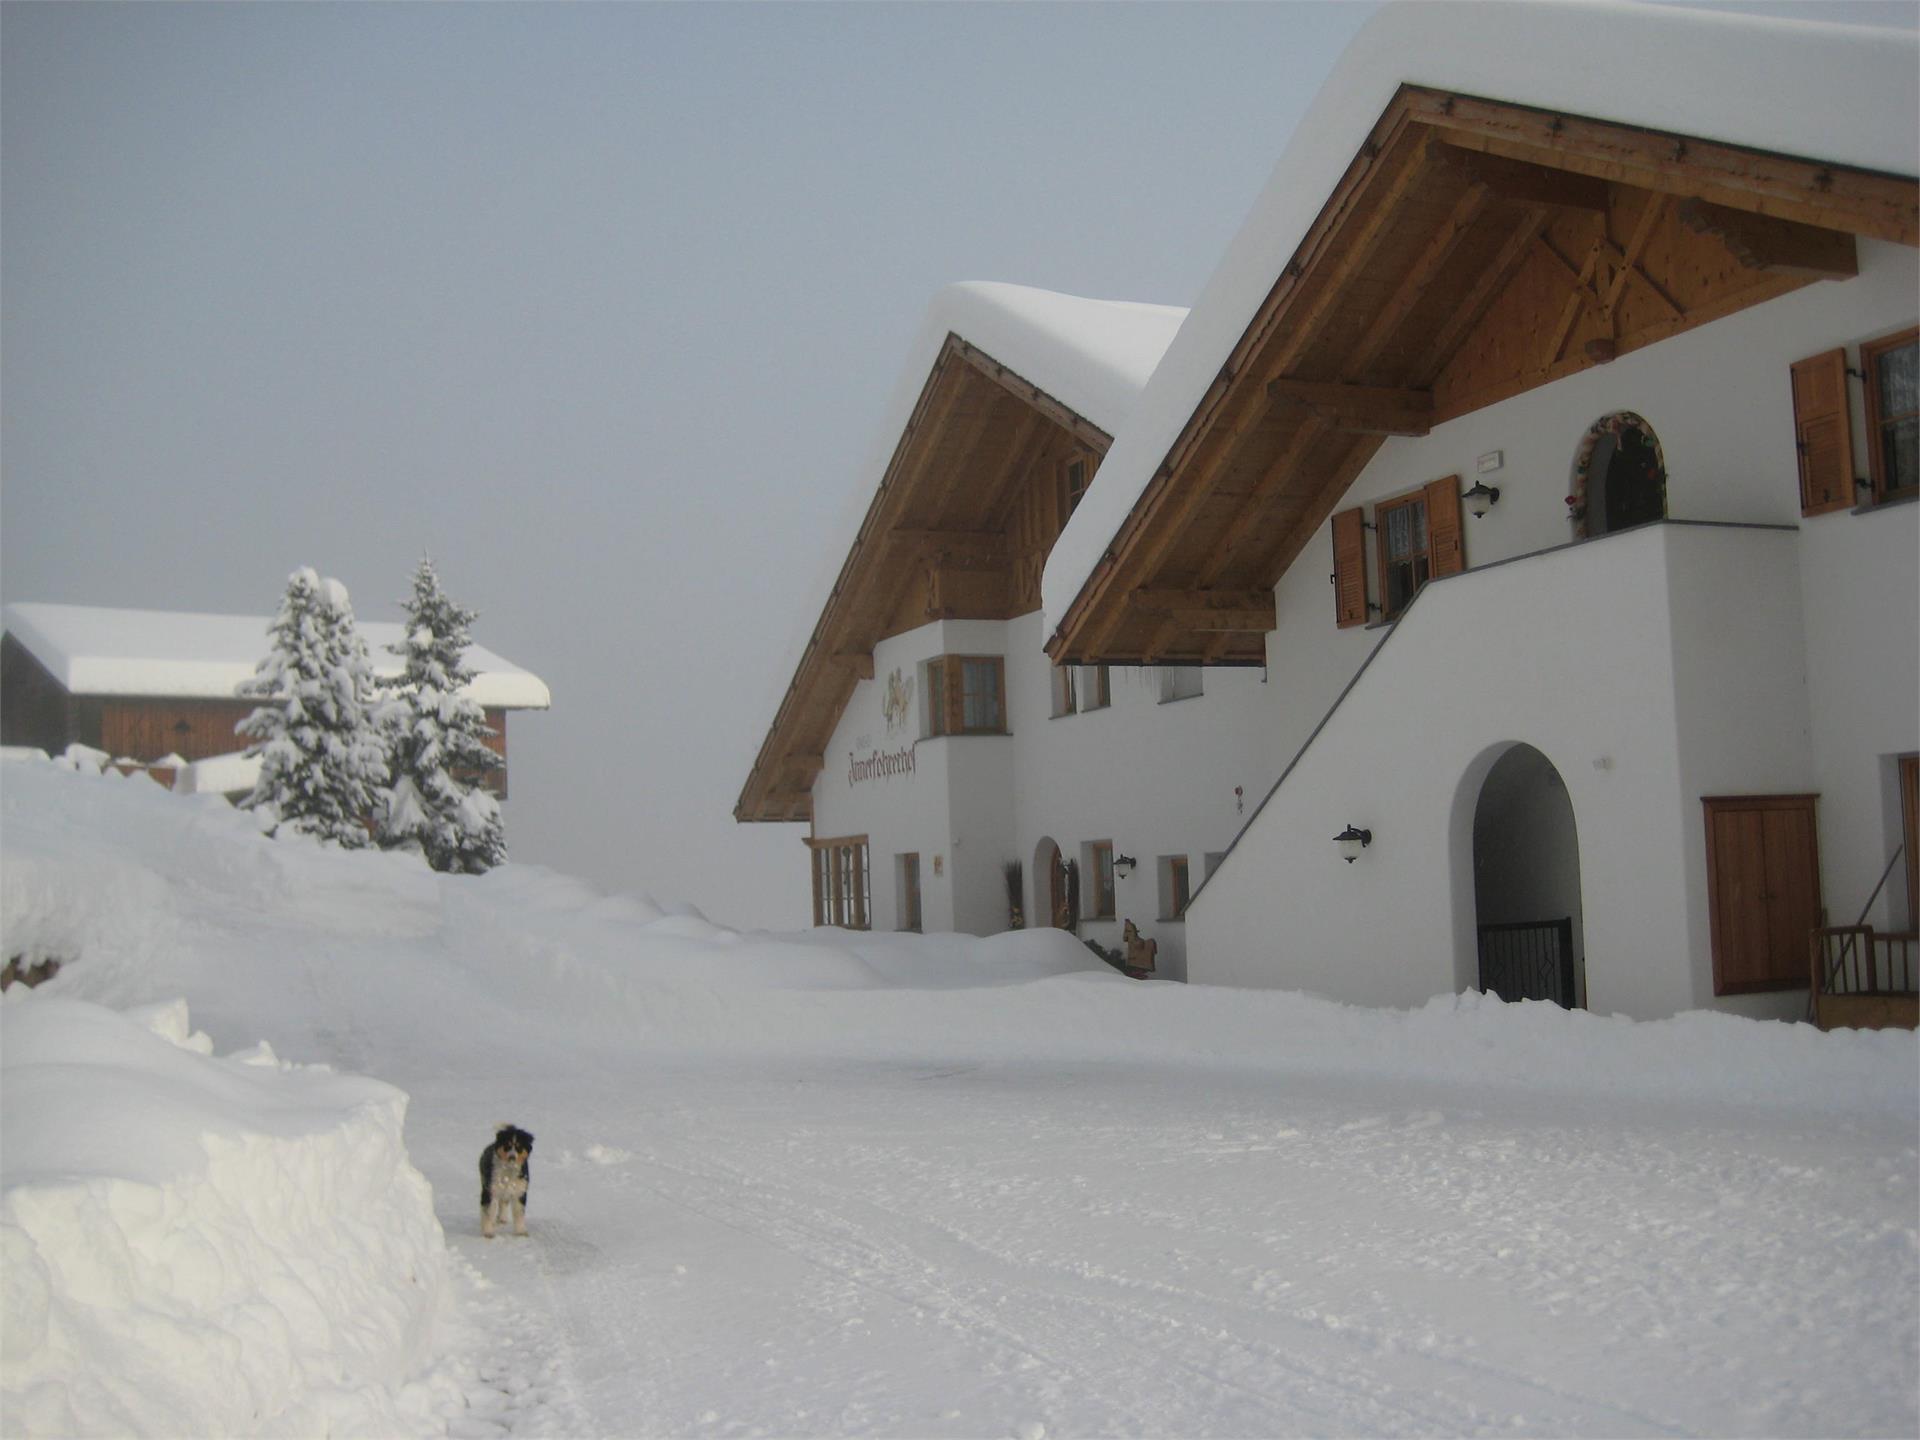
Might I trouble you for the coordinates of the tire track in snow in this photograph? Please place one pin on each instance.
(1051, 1330)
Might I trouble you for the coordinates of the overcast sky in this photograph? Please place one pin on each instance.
(599, 304)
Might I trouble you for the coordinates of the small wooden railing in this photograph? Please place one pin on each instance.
(1864, 979)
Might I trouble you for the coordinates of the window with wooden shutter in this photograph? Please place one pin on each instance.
(965, 695)
(1891, 367)
(1406, 562)
(1350, 568)
(1446, 545)
(1763, 882)
(1823, 433)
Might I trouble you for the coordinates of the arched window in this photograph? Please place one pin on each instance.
(1619, 476)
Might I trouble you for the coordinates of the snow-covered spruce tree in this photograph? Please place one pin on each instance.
(323, 759)
(440, 753)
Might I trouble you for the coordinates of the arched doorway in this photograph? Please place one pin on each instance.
(1619, 476)
(1054, 900)
(1526, 883)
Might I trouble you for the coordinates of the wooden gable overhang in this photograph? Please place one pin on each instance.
(958, 529)
(1472, 251)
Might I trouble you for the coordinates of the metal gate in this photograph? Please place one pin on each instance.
(1530, 960)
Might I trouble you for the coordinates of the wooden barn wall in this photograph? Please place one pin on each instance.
(147, 728)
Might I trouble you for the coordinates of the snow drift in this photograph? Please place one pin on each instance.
(201, 1246)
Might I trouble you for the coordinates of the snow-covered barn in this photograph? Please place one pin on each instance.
(1530, 496)
(159, 686)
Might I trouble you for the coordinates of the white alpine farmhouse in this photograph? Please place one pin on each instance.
(1528, 502)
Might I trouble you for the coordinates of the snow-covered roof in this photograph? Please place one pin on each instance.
(97, 651)
(1092, 356)
(1847, 95)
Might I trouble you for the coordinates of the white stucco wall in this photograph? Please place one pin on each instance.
(1862, 616)
(1843, 591)
(1573, 652)
(1740, 690)
(1156, 779)
(909, 808)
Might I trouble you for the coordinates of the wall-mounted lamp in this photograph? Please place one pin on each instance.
(1481, 498)
(1123, 865)
(1352, 842)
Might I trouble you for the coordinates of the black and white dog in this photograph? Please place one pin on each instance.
(503, 1179)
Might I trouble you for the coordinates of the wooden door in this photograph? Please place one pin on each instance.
(1763, 878)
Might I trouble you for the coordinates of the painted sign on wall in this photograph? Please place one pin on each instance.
(881, 764)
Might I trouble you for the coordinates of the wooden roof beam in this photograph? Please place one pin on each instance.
(858, 663)
(1782, 247)
(1026, 391)
(1164, 508)
(1885, 207)
(1228, 622)
(1359, 409)
(1525, 184)
(1420, 278)
(1493, 280)
(1168, 600)
(1028, 441)
(973, 542)
(1218, 615)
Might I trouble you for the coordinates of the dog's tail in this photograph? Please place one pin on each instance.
(504, 1125)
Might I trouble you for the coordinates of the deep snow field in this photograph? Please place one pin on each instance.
(831, 1183)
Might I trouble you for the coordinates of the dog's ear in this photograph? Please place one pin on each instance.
(527, 1135)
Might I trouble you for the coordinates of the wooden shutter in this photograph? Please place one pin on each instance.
(953, 693)
(1823, 433)
(1446, 546)
(1763, 880)
(1350, 568)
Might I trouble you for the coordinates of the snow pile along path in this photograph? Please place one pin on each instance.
(201, 1246)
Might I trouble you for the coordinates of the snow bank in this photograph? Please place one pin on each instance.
(201, 1246)
(573, 968)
